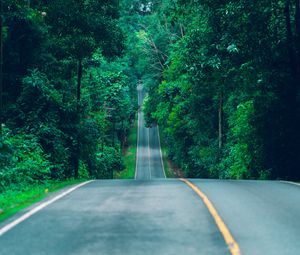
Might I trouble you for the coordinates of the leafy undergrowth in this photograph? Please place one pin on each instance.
(171, 170)
(12, 202)
(129, 156)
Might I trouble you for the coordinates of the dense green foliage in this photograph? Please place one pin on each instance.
(223, 80)
(129, 155)
(67, 95)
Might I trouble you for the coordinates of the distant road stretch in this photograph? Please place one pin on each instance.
(149, 161)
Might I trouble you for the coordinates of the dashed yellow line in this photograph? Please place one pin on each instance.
(232, 244)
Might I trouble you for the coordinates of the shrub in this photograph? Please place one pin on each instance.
(22, 161)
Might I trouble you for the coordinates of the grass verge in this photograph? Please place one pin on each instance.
(129, 156)
(12, 202)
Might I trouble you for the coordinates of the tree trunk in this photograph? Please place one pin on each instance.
(79, 77)
(297, 21)
(289, 95)
(221, 120)
(289, 35)
(113, 134)
(182, 30)
(78, 149)
(1, 69)
(297, 16)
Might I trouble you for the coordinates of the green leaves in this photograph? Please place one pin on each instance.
(22, 161)
(226, 70)
(39, 82)
(69, 124)
(232, 48)
(83, 26)
(242, 138)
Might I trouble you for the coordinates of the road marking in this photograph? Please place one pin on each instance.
(161, 158)
(150, 176)
(293, 183)
(27, 215)
(137, 146)
(232, 244)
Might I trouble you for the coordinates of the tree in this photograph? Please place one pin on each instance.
(223, 91)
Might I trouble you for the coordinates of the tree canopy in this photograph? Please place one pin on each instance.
(223, 76)
(68, 101)
(222, 79)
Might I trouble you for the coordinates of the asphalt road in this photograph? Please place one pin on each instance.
(119, 217)
(161, 216)
(263, 216)
(149, 161)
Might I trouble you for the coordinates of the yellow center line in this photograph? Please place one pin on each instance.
(232, 244)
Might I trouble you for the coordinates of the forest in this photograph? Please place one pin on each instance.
(224, 85)
(66, 91)
(222, 79)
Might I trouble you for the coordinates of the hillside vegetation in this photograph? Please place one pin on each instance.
(222, 79)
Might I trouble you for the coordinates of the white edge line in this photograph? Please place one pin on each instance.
(149, 153)
(137, 141)
(293, 183)
(161, 157)
(27, 215)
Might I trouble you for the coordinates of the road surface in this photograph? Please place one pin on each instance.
(154, 215)
(149, 161)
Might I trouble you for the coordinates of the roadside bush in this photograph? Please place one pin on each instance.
(109, 160)
(22, 161)
(83, 170)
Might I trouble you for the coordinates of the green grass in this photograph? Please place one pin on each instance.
(12, 202)
(130, 156)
